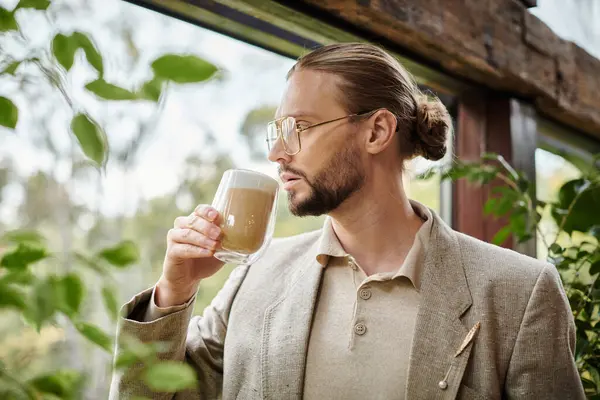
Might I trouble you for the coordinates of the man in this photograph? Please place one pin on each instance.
(386, 301)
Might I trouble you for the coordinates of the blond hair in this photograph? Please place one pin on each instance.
(372, 79)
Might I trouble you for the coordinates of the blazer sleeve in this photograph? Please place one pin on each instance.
(199, 341)
(542, 364)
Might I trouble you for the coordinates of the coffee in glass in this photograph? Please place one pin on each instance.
(247, 202)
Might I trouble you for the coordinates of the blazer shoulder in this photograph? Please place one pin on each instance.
(494, 262)
(286, 250)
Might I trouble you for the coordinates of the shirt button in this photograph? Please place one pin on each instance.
(360, 329)
(364, 294)
(352, 265)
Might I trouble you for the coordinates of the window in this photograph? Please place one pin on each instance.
(560, 157)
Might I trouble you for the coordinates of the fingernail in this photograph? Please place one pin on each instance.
(212, 214)
(214, 233)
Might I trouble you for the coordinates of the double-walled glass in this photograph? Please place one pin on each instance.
(247, 202)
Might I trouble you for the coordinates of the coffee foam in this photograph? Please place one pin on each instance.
(246, 179)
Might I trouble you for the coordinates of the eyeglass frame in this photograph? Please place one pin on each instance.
(302, 129)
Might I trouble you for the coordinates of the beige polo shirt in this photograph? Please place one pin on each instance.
(363, 326)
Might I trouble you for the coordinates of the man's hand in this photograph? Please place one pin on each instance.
(191, 245)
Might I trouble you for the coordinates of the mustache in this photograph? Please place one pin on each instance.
(291, 170)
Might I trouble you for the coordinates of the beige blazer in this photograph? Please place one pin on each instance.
(251, 342)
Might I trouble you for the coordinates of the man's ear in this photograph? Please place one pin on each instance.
(383, 129)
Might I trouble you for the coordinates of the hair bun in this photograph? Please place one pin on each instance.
(433, 123)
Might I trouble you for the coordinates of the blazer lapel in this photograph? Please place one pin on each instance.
(435, 371)
(286, 331)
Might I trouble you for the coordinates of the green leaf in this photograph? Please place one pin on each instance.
(64, 48)
(24, 236)
(23, 255)
(501, 235)
(88, 262)
(490, 205)
(555, 248)
(108, 91)
(43, 304)
(7, 20)
(151, 90)
(61, 383)
(72, 294)
(11, 68)
(91, 137)
(121, 255)
(36, 4)
(595, 268)
(183, 69)
(110, 302)
(9, 113)
(170, 376)
(11, 296)
(126, 359)
(583, 199)
(91, 53)
(18, 277)
(95, 335)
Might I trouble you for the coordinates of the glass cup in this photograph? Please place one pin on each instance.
(247, 202)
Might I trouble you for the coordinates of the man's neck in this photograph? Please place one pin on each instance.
(377, 228)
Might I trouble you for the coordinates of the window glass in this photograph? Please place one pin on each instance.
(552, 171)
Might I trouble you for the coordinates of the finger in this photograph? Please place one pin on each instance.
(190, 236)
(200, 225)
(186, 251)
(207, 212)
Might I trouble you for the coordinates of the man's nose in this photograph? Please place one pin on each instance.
(277, 152)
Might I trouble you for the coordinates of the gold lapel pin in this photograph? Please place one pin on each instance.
(468, 339)
(443, 384)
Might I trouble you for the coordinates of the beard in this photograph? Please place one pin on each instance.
(331, 186)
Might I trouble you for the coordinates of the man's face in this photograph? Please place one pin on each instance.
(328, 169)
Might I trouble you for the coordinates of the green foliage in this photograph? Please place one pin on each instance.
(91, 137)
(110, 302)
(170, 376)
(11, 68)
(108, 91)
(183, 68)
(35, 4)
(121, 255)
(9, 113)
(63, 384)
(22, 256)
(64, 48)
(577, 260)
(96, 335)
(40, 284)
(7, 20)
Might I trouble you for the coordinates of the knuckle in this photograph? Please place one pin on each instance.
(178, 221)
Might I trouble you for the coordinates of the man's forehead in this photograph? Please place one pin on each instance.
(309, 94)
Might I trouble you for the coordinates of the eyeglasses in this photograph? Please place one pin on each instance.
(289, 131)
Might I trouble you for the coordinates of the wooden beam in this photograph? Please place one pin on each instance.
(498, 44)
